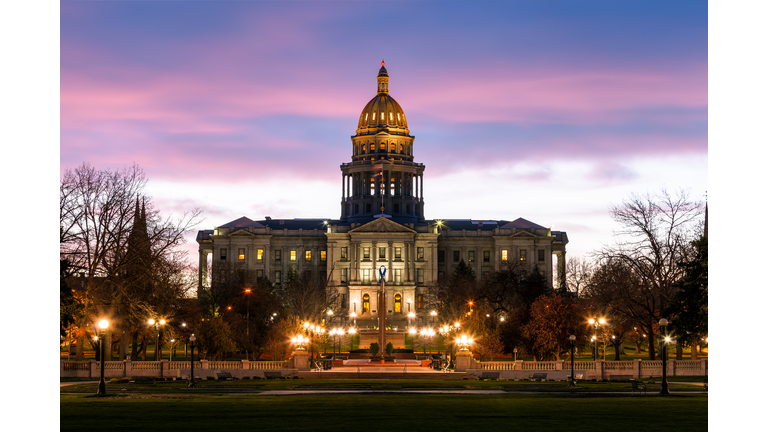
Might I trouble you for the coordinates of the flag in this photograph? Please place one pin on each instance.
(378, 169)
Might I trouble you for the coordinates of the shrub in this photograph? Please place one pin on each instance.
(374, 349)
(209, 378)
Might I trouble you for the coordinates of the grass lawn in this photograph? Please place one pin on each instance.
(386, 412)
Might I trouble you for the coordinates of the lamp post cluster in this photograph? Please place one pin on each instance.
(157, 324)
(464, 342)
(338, 333)
(596, 322)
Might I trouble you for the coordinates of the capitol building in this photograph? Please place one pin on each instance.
(381, 223)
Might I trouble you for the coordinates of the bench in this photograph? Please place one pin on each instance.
(144, 380)
(578, 377)
(273, 375)
(620, 377)
(223, 375)
(538, 376)
(636, 387)
(490, 375)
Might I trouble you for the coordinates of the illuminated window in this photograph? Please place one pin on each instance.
(401, 149)
(382, 115)
(322, 255)
(373, 147)
(420, 301)
(471, 256)
(366, 303)
(398, 253)
(366, 253)
(541, 255)
(278, 255)
(398, 116)
(241, 254)
(398, 303)
(504, 255)
(344, 253)
(523, 255)
(308, 255)
(259, 254)
(391, 148)
(373, 116)
(293, 255)
(223, 254)
(391, 117)
(420, 253)
(382, 146)
(366, 276)
(366, 116)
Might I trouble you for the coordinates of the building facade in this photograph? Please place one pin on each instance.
(381, 229)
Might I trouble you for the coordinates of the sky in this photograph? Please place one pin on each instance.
(552, 111)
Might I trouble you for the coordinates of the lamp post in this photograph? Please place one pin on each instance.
(573, 345)
(157, 325)
(170, 356)
(351, 332)
(247, 320)
(664, 388)
(434, 315)
(411, 316)
(353, 315)
(597, 322)
(103, 324)
(515, 355)
(192, 363)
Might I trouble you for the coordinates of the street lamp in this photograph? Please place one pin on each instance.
(412, 332)
(300, 341)
(247, 321)
(170, 356)
(664, 388)
(573, 345)
(157, 325)
(411, 315)
(192, 363)
(103, 324)
(463, 342)
(351, 332)
(434, 314)
(597, 323)
(354, 318)
(515, 350)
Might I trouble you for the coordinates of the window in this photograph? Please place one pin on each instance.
(486, 256)
(382, 115)
(259, 254)
(398, 276)
(367, 276)
(323, 255)
(420, 276)
(420, 253)
(382, 146)
(259, 274)
(344, 253)
(504, 255)
(366, 303)
(523, 255)
(541, 255)
(344, 301)
(441, 256)
(471, 256)
(392, 147)
(368, 206)
(401, 146)
(241, 253)
(398, 119)
(278, 276)
(398, 303)
(373, 147)
(293, 255)
(308, 255)
(366, 116)
(398, 253)
(223, 254)
(456, 256)
(278, 255)
(391, 117)
(382, 253)
(344, 275)
(366, 253)
(420, 300)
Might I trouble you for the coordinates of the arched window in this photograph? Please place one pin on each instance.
(401, 149)
(366, 303)
(383, 146)
(373, 147)
(398, 303)
(392, 148)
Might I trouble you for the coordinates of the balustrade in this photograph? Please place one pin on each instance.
(539, 366)
(688, 365)
(153, 365)
(225, 365)
(76, 366)
(258, 365)
(618, 365)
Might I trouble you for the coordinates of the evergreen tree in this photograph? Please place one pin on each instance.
(688, 311)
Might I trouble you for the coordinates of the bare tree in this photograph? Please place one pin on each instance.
(308, 298)
(578, 271)
(639, 272)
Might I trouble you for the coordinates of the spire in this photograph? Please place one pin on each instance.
(383, 79)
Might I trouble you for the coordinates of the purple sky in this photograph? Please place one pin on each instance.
(551, 111)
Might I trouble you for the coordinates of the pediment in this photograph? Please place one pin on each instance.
(381, 225)
(523, 234)
(242, 233)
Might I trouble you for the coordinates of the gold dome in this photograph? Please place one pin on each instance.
(382, 112)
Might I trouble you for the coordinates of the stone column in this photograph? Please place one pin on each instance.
(636, 369)
(463, 361)
(561, 270)
(497, 258)
(265, 259)
(407, 266)
(356, 248)
(479, 263)
(300, 360)
(390, 278)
